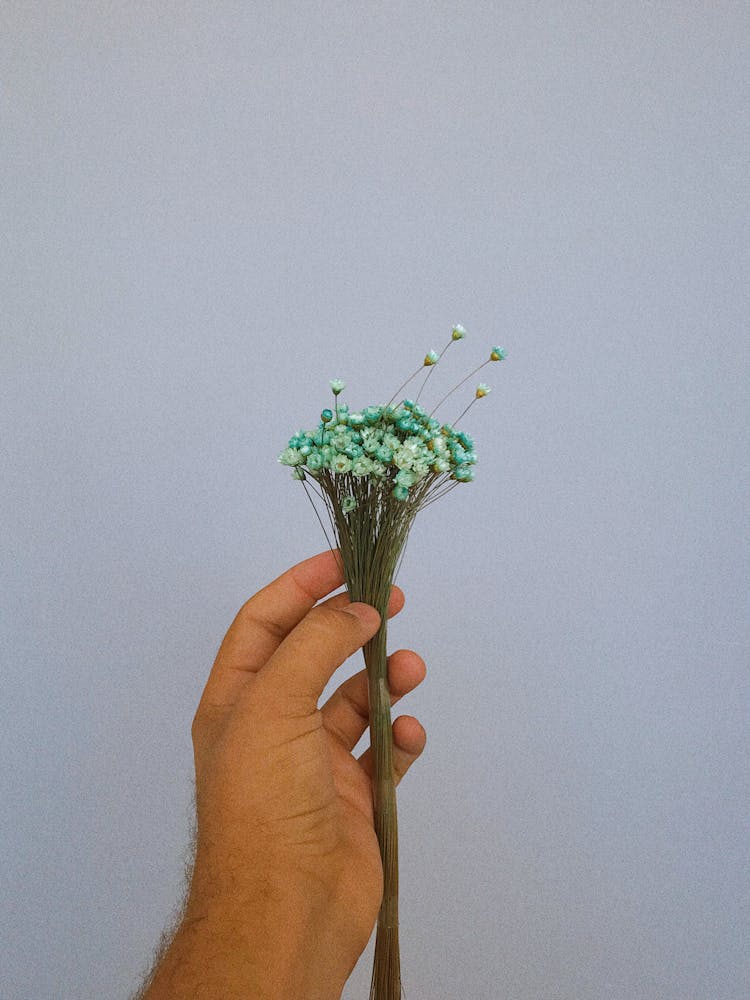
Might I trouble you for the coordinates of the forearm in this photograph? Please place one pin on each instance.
(228, 951)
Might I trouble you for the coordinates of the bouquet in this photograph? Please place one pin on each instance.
(368, 473)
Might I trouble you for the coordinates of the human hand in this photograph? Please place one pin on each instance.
(287, 879)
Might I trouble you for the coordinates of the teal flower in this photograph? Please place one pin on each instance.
(361, 467)
(348, 504)
(405, 478)
(464, 474)
(371, 414)
(403, 458)
(397, 447)
(291, 456)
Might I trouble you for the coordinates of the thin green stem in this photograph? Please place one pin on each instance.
(459, 384)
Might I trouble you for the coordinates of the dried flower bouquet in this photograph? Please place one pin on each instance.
(368, 473)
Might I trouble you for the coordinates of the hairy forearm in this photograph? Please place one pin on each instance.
(225, 951)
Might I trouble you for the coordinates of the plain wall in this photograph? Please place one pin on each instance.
(211, 209)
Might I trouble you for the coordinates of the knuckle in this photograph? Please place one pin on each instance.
(332, 621)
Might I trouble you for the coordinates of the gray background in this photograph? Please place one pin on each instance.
(211, 209)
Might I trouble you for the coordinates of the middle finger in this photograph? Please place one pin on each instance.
(346, 713)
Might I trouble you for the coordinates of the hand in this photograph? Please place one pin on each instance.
(287, 880)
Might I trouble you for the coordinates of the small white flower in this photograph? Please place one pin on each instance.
(361, 466)
(291, 456)
(403, 458)
(341, 463)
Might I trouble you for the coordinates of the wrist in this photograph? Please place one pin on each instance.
(261, 943)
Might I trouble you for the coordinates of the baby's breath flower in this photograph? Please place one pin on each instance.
(341, 464)
(326, 416)
(458, 332)
(431, 358)
(498, 354)
(348, 504)
(400, 492)
(337, 386)
(482, 390)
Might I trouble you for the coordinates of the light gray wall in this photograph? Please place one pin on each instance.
(209, 210)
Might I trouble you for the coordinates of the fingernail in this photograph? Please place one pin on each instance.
(364, 612)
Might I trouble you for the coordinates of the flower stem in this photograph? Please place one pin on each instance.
(386, 972)
(375, 589)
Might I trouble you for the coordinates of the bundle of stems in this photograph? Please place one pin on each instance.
(373, 472)
(371, 540)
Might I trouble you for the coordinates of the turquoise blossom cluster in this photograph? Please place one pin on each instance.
(400, 445)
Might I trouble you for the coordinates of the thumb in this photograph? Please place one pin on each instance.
(306, 660)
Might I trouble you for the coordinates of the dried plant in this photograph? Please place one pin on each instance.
(367, 474)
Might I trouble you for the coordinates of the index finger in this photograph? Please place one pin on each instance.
(269, 616)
